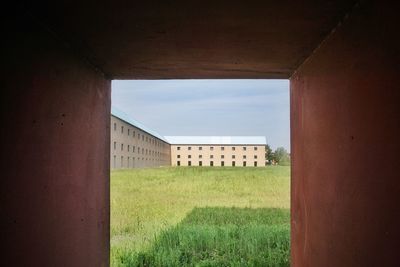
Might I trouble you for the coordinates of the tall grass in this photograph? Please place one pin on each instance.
(154, 221)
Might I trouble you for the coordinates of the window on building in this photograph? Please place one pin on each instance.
(200, 156)
(255, 156)
(143, 151)
(142, 137)
(127, 162)
(233, 164)
(244, 148)
(255, 163)
(122, 147)
(178, 148)
(222, 148)
(189, 148)
(211, 163)
(200, 148)
(178, 156)
(129, 130)
(189, 156)
(211, 148)
(244, 163)
(115, 126)
(122, 129)
(255, 148)
(222, 156)
(200, 163)
(133, 134)
(244, 156)
(233, 148)
(115, 161)
(233, 156)
(138, 135)
(222, 163)
(138, 150)
(133, 149)
(115, 145)
(178, 163)
(128, 148)
(211, 156)
(189, 163)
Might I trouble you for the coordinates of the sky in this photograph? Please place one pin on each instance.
(208, 107)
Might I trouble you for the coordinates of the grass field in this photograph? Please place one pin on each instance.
(200, 216)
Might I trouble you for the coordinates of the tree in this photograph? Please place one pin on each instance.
(269, 155)
(281, 156)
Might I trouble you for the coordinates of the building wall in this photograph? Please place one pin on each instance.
(132, 147)
(345, 128)
(250, 154)
(55, 133)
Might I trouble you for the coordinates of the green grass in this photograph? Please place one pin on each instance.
(184, 217)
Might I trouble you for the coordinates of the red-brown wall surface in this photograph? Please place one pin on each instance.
(55, 113)
(345, 126)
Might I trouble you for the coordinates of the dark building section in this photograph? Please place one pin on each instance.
(345, 145)
(183, 39)
(55, 116)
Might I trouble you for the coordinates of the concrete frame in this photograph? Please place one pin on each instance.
(55, 109)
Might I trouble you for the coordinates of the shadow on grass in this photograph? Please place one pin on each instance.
(221, 237)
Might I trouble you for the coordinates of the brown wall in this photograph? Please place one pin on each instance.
(132, 147)
(345, 145)
(55, 115)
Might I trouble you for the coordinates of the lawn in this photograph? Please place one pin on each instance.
(200, 216)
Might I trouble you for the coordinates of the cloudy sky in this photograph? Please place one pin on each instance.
(208, 107)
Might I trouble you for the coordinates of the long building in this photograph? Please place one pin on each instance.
(133, 145)
(244, 151)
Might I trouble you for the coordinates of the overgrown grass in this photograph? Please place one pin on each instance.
(154, 221)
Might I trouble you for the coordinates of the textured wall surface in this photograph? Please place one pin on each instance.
(345, 145)
(205, 39)
(55, 116)
(253, 155)
(132, 147)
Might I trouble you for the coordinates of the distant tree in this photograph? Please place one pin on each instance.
(281, 156)
(269, 155)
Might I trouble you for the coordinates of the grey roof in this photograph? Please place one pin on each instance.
(125, 117)
(217, 140)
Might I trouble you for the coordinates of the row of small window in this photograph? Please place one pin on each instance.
(128, 161)
(222, 148)
(178, 163)
(144, 151)
(153, 141)
(212, 156)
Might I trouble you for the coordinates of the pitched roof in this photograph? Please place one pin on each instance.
(217, 140)
(125, 117)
